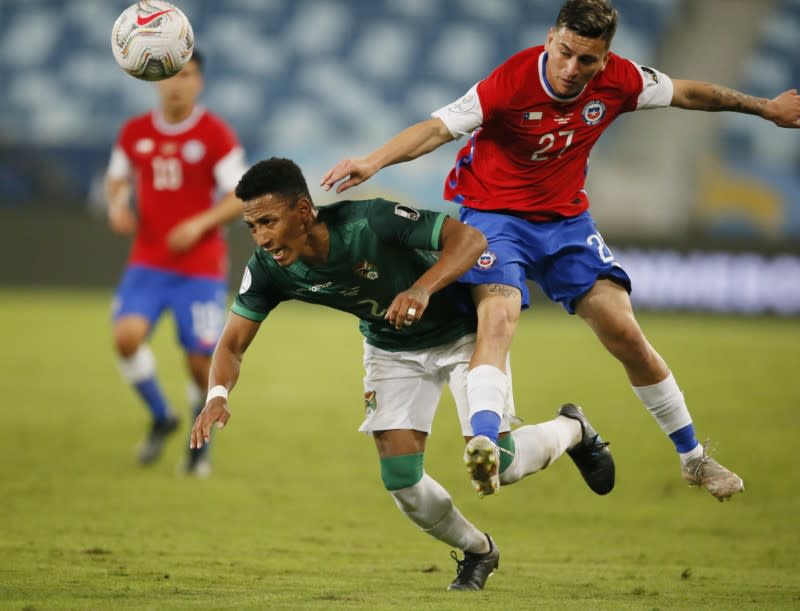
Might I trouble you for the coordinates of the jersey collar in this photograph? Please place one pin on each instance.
(171, 129)
(546, 85)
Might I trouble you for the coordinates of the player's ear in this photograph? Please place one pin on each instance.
(604, 60)
(551, 33)
(305, 207)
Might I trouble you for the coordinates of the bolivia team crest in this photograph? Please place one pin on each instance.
(367, 270)
(593, 112)
(370, 404)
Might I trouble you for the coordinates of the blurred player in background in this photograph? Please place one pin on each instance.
(373, 259)
(178, 155)
(520, 178)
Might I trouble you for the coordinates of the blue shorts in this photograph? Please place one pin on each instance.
(565, 257)
(197, 304)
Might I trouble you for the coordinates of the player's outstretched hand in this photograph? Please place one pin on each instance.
(351, 171)
(215, 410)
(407, 307)
(784, 110)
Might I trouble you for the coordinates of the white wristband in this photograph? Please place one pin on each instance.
(218, 391)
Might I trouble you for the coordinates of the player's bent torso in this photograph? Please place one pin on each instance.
(175, 180)
(364, 273)
(530, 156)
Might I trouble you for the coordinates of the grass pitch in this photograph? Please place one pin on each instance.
(295, 516)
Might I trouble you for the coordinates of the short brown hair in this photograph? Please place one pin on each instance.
(589, 18)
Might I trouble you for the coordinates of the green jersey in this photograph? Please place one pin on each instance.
(378, 248)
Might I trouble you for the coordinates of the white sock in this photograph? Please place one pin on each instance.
(486, 390)
(696, 452)
(538, 445)
(430, 507)
(666, 403)
(139, 366)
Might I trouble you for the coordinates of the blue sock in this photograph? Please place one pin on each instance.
(684, 439)
(150, 391)
(486, 422)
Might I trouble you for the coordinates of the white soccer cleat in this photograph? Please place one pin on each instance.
(482, 458)
(709, 474)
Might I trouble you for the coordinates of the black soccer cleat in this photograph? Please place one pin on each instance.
(591, 454)
(198, 463)
(151, 449)
(473, 571)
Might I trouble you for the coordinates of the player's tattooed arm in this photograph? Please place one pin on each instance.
(783, 110)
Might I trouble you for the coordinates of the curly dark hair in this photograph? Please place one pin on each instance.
(273, 175)
(589, 18)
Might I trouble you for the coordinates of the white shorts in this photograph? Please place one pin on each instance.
(402, 389)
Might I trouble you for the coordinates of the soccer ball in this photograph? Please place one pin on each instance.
(152, 40)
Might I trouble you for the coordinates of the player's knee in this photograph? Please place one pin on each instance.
(402, 471)
(498, 322)
(128, 335)
(126, 343)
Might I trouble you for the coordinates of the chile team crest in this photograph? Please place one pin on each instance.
(593, 112)
(486, 260)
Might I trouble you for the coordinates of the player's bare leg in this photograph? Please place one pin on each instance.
(138, 366)
(498, 307)
(608, 311)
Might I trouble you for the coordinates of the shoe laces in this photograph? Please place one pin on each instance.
(466, 565)
(695, 466)
(598, 443)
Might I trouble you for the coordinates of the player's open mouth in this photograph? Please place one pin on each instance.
(277, 254)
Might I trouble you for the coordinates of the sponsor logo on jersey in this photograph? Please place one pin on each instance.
(367, 270)
(316, 288)
(370, 402)
(169, 148)
(465, 104)
(593, 112)
(563, 119)
(247, 280)
(193, 151)
(144, 146)
(486, 260)
(531, 117)
(406, 212)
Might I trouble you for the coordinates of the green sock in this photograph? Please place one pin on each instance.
(507, 443)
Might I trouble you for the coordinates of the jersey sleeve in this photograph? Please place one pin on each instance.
(229, 169)
(119, 165)
(405, 226)
(656, 90)
(228, 154)
(463, 116)
(256, 297)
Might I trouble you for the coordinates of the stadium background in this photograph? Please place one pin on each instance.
(703, 209)
(294, 516)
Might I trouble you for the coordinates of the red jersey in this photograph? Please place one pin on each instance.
(177, 168)
(528, 151)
